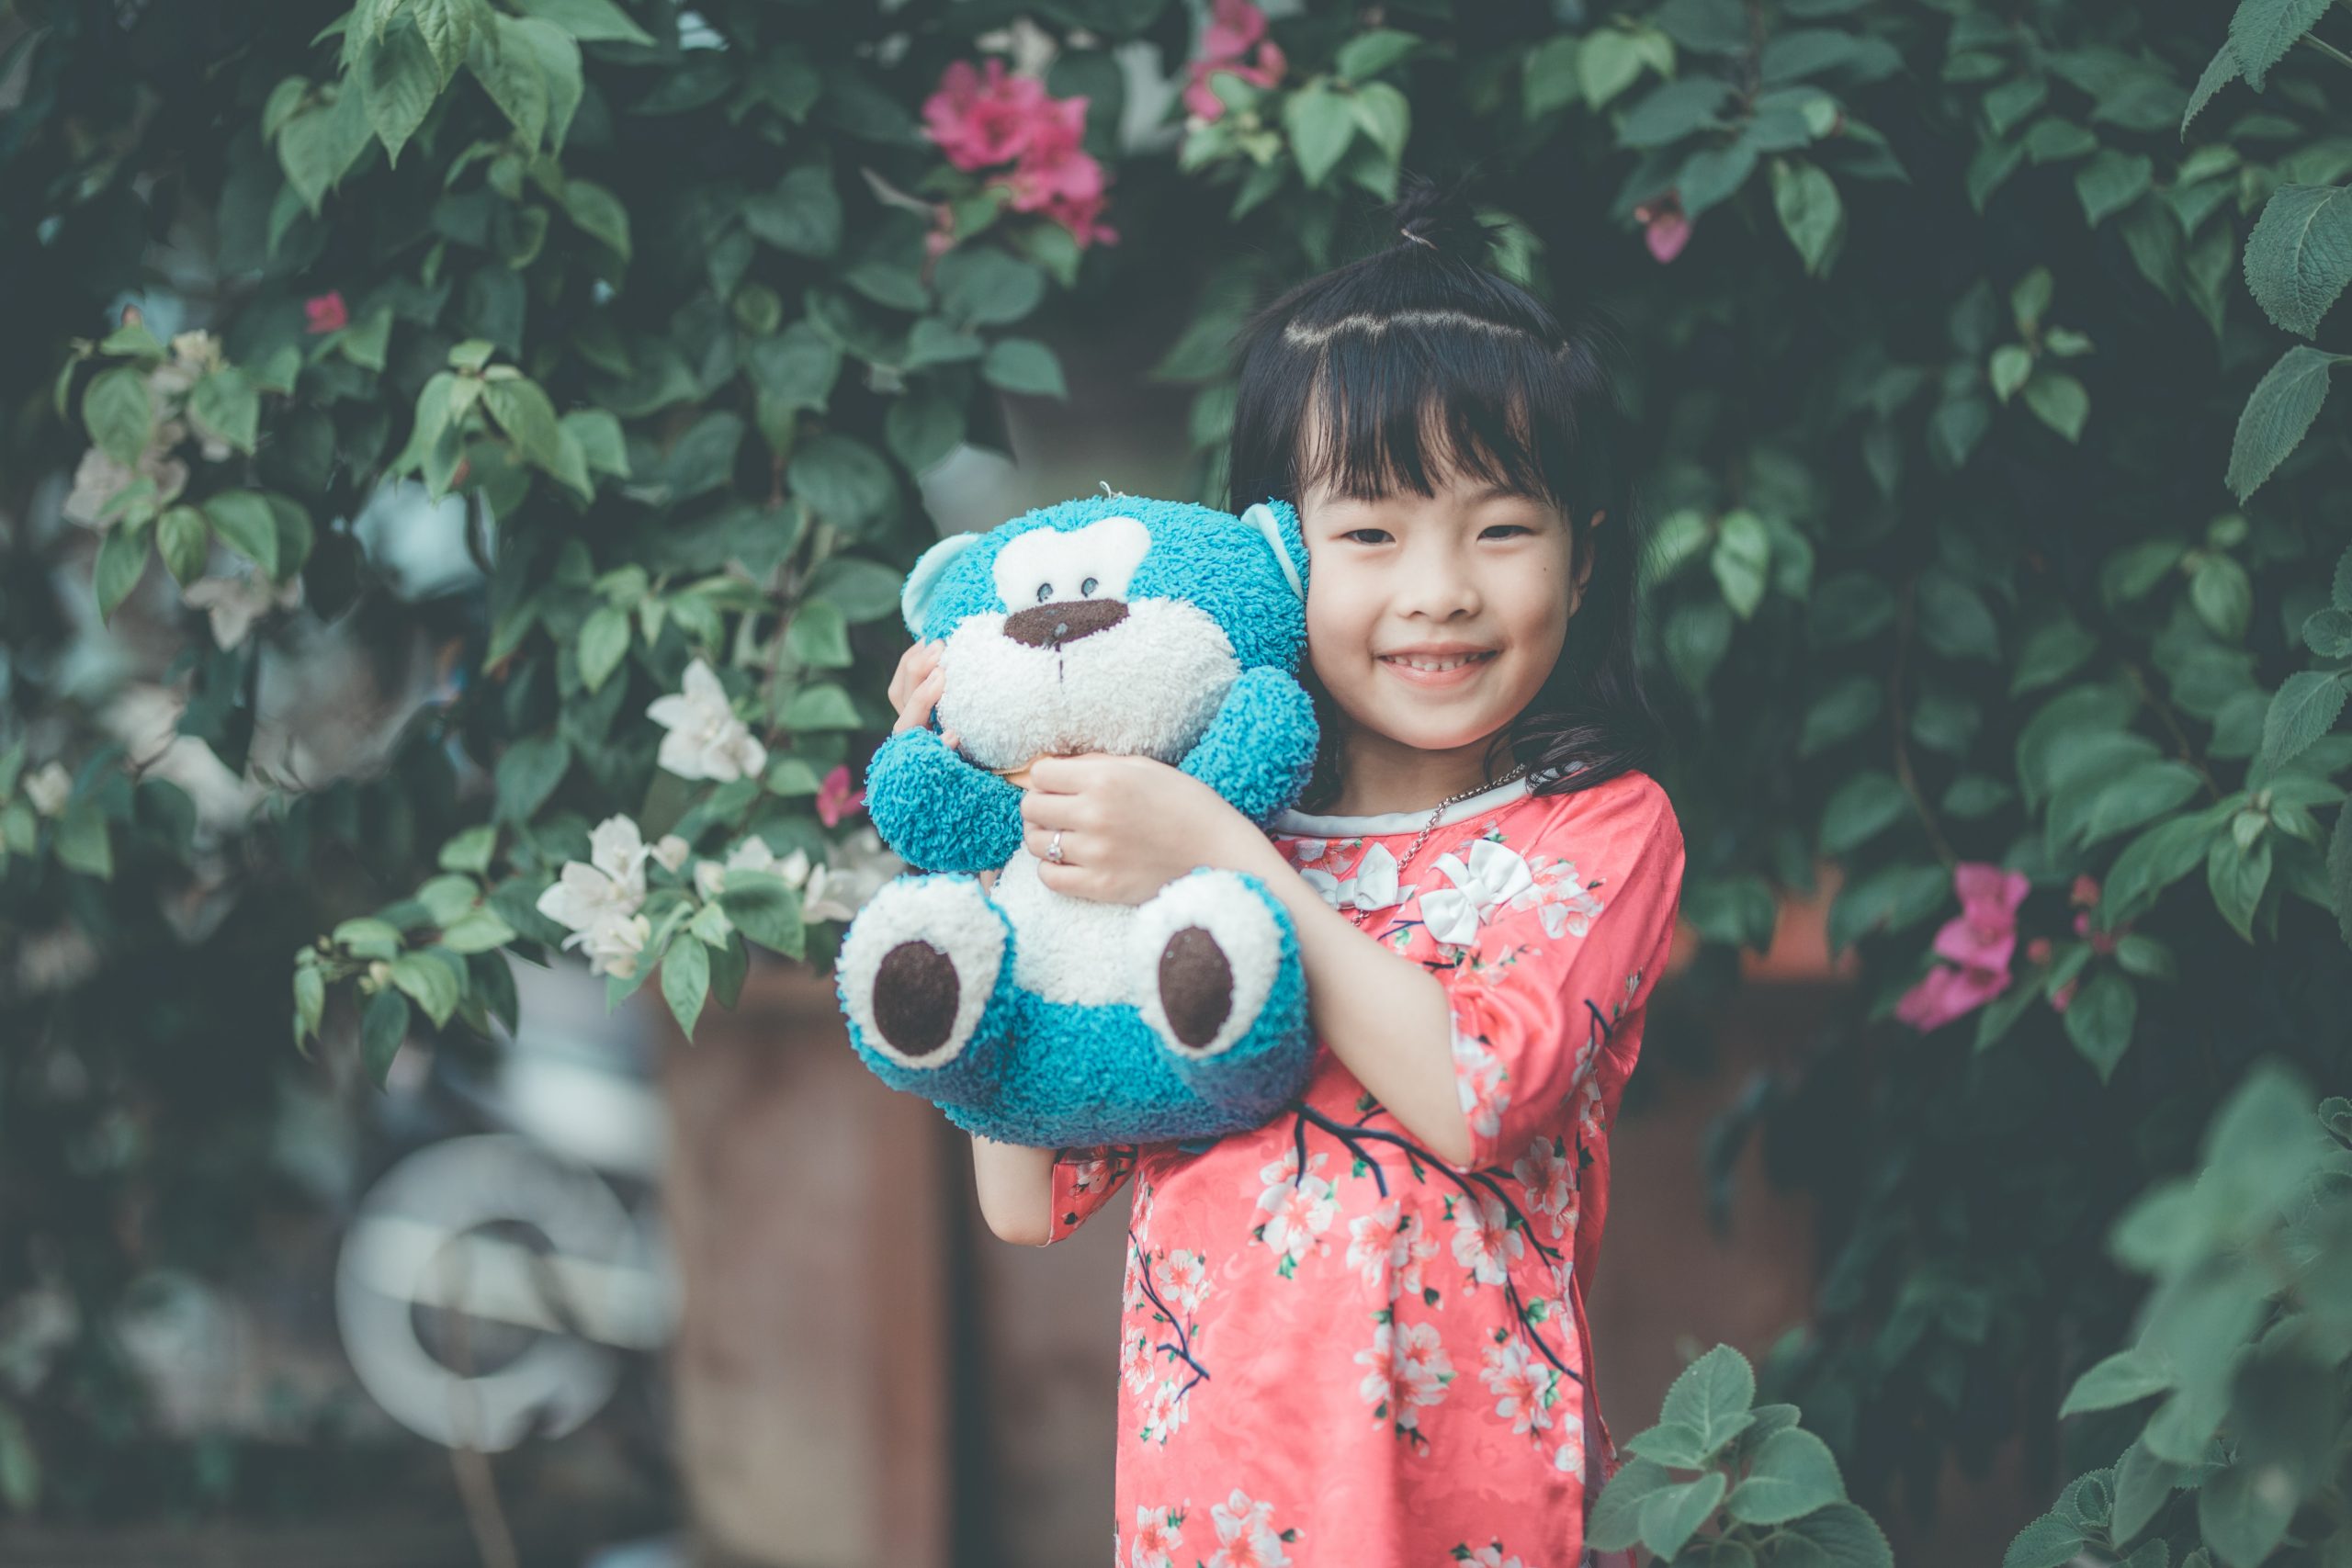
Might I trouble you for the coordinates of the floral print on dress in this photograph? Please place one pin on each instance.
(1324, 1296)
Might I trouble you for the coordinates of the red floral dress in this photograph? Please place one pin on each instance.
(1339, 1351)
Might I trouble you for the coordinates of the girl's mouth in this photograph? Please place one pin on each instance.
(1437, 669)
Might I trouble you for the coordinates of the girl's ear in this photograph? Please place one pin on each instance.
(922, 582)
(1277, 523)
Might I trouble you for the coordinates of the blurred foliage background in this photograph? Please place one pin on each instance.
(558, 373)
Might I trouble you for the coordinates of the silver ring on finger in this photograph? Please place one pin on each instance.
(1054, 847)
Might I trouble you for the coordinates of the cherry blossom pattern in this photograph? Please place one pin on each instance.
(1528, 1394)
(1407, 1371)
(1388, 1247)
(1558, 896)
(1246, 1534)
(1159, 1532)
(1487, 1556)
(1299, 1207)
(1160, 1333)
(1547, 1174)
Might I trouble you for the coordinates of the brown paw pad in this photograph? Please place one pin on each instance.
(915, 992)
(1195, 985)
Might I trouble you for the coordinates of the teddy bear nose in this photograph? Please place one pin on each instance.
(1064, 621)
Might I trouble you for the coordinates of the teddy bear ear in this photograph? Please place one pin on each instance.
(1279, 525)
(922, 582)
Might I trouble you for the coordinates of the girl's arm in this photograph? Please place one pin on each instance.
(1016, 1188)
(1130, 825)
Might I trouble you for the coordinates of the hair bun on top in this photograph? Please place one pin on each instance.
(1440, 218)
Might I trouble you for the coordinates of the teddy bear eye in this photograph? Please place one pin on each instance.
(1045, 591)
(1086, 589)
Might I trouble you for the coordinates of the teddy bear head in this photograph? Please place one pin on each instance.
(1113, 623)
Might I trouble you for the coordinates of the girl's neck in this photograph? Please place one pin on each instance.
(1379, 775)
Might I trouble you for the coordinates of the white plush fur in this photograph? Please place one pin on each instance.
(1097, 561)
(1071, 948)
(1222, 905)
(950, 914)
(1146, 687)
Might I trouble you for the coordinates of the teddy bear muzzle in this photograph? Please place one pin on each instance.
(1063, 621)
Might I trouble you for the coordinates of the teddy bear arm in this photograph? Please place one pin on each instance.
(938, 811)
(1261, 747)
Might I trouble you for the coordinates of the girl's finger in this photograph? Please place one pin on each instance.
(915, 711)
(1046, 811)
(950, 740)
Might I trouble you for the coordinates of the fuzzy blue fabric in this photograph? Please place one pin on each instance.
(1049, 1072)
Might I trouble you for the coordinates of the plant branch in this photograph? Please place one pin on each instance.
(2328, 48)
(1903, 771)
(2149, 695)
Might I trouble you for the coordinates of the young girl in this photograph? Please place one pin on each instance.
(1355, 1338)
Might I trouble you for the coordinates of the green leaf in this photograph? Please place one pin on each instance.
(2124, 1377)
(1609, 62)
(2150, 863)
(1892, 898)
(844, 480)
(766, 909)
(1386, 116)
(504, 60)
(2277, 415)
(603, 643)
(383, 1026)
(2011, 364)
(2110, 182)
(864, 589)
(2300, 255)
(524, 412)
(1839, 1535)
(2339, 872)
(797, 368)
(2100, 1019)
(1321, 124)
(590, 21)
(2048, 1542)
(803, 214)
(1793, 1474)
(2059, 402)
(598, 436)
(228, 405)
(318, 148)
(429, 982)
(2142, 1485)
(469, 851)
(2237, 877)
(685, 981)
(1863, 807)
(2306, 708)
(2219, 73)
(1953, 620)
(599, 214)
(1366, 55)
(2244, 1512)
(2262, 32)
(246, 525)
(2222, 596)
(2328, 633)
(185, 540)
(1666, 113)
(83, 842)
(981, 285)
(1672, 1514)
(821, 706)
(400, 77)
(923, 426)
(1741, 560)
(527, 774)
(122, 561)
(819, 635)
(118, 414)
(1616, 1522)
(1020, 365)
(1711, 1397)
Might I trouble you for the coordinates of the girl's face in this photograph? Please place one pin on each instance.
(1433, 620)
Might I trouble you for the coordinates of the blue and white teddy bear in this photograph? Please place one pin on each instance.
(1111, 624)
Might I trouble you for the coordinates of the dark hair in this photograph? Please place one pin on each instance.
(1414, 363)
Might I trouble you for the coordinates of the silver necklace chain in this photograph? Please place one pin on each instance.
(1359, 916)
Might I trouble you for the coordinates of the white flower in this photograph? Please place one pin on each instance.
(617, 850)
(1246, 1534)
(597, 898)
(672, 851)
(751, 854)
(198, 349)
(235, 603)
(100, 479)
(47, 788)
(706, 740)
(1485, 1242)
(838, 889)
(1524, 1388)
(613, 944)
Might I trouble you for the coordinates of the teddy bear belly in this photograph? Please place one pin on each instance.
(1065, 949)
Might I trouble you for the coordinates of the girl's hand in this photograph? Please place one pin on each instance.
(1131, 825)
(915, 686)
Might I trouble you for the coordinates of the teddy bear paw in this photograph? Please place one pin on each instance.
(919, 967)
(1208, 950)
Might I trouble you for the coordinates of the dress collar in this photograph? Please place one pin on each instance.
(1305, 825)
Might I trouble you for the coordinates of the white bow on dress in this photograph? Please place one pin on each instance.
(1496, 874)
(1373, 886)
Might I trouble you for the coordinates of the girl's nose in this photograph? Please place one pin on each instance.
(1437, 587)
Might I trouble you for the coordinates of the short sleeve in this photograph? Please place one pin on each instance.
(1085, 1180)
(1559, 963)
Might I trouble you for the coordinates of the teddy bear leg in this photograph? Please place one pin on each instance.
(925, 975)
(1220, 984)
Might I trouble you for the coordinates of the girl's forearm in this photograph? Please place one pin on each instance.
(1385, 1017)
(1016, 1190)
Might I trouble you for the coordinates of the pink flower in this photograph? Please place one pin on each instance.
(2038, 950)
(1986, 930)
(1234, 27)
(977, 122)
(327, 313)
(1947, 993)
(2085, 897)
(2062, 995)
(834, 800)
(1664, 229)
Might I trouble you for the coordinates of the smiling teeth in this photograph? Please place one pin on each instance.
(1436, 666)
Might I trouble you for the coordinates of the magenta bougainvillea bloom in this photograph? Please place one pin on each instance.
(327, 313)
(836, 800)
(1979, 943)
(1664, 229)
(987, 119)
(1234, 26)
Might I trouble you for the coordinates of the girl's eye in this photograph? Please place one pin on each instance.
(1086, 589)
(1506, 530)
(1366, 535)
(1045, 591)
